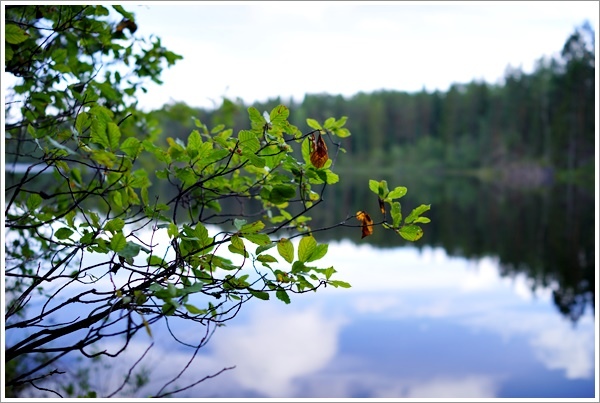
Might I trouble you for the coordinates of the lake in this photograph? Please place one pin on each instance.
(497, 300)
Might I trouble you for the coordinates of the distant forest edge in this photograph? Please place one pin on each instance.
(529, 130)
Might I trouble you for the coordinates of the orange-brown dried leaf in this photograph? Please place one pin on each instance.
(126, 24)
(318, 152)
(381, 205)
(367, 223)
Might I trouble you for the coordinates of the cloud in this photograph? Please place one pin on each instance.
(567, 349)
(473, 386)
(276, 347)
(554, 341)
(380, 385)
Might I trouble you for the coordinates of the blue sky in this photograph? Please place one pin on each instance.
(261, 50)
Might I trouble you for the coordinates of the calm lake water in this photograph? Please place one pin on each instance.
(497, 300)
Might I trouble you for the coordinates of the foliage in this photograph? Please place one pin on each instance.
(537, 120)
(96, 248)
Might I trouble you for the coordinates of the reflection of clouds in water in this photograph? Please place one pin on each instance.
(293, 351)
(467, 387)
(277, 346)
(270, 352)
(435, 285)
(554, 341)
(564, 348)
(429, 269)
(360, 384)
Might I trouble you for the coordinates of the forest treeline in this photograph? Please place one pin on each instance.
(528, 127)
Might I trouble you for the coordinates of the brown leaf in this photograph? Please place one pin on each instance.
(126, 23)
(318, 152)
(367, 223)
(381, 205)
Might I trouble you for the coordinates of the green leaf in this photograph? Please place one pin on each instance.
(256, 118)
(101, 116)
(258, 239)
(194, 144)
(254, 159)
(339, 283)
(396, 214)
(411, 232)
(239, 223)
(172, 230)
(237, 246)
(237, 242)
(193, 310)
(341, 122)
(169, 307)
(266, 258)
(131, 146)
(318, 253)
(14, 35)
(279, 115)
(331, 177)
(285, 247)
(396, 193)
(306, 151)
(313, 124)
(342, 133)
(205, 241)
(139, 179)
(263, 248)
(130, 250)
(118, 242)
(248, 141)
(124, 13)
(281, 193)
(252, 227)
(63, 233)
(217, 129)
(8, 53)
(35, 134)
(259, 294)
(422, 220)
(417, 212)
(154, 260)
(329, 123)
(374, 186)
(114, 225)
(282, 295)
(307, 246)
(117, 199)
(33, 201)
(299, 267)
(383, 190)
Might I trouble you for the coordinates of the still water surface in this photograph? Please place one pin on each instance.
(414, 324)
(497, 300)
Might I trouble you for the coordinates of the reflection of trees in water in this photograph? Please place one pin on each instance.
(545, 233)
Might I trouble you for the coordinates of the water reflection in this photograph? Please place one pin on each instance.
(546, 234)
(416, 324)
(497, 300)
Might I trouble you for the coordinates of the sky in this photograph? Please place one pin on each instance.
(260, 50)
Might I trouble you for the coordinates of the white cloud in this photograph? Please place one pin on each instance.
(287, 49)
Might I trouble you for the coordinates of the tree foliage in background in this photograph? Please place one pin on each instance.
(540, 121)
(109, 231)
